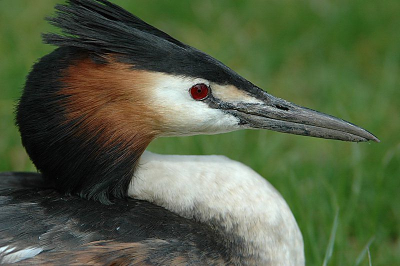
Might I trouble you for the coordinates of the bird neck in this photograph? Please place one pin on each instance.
(227, 195)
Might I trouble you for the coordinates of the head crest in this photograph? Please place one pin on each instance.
(101, 27)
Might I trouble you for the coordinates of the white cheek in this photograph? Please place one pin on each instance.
(181, 115)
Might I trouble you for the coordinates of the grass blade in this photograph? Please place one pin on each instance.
(331, 243)
(364, 252)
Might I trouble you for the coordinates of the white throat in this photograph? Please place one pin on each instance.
(215, 188)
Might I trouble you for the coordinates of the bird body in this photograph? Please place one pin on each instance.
(220, 218)
(89, 110)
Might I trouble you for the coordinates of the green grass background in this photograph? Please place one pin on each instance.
(340, 57)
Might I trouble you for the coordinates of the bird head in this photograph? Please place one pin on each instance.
(90, 108)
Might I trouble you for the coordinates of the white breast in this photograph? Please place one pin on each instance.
(216, 188)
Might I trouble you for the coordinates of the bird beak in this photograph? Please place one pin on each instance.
(279, 115)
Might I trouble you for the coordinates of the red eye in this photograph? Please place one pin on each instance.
(199, 91)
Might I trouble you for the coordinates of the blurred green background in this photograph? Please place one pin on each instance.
(339, 57)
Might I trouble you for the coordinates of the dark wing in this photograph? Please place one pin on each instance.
(40, 226)
(149, 252)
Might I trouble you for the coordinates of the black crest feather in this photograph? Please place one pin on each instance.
(102, 27)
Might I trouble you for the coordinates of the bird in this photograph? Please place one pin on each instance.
(87, 113)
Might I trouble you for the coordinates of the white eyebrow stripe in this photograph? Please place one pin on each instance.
(230, 93)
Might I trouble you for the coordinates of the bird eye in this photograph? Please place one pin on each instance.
(199, 92)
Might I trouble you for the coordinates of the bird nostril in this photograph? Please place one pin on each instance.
(284, 108)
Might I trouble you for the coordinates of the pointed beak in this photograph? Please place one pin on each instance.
(279, 115)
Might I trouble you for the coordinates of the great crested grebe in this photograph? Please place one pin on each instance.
(89, 110)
